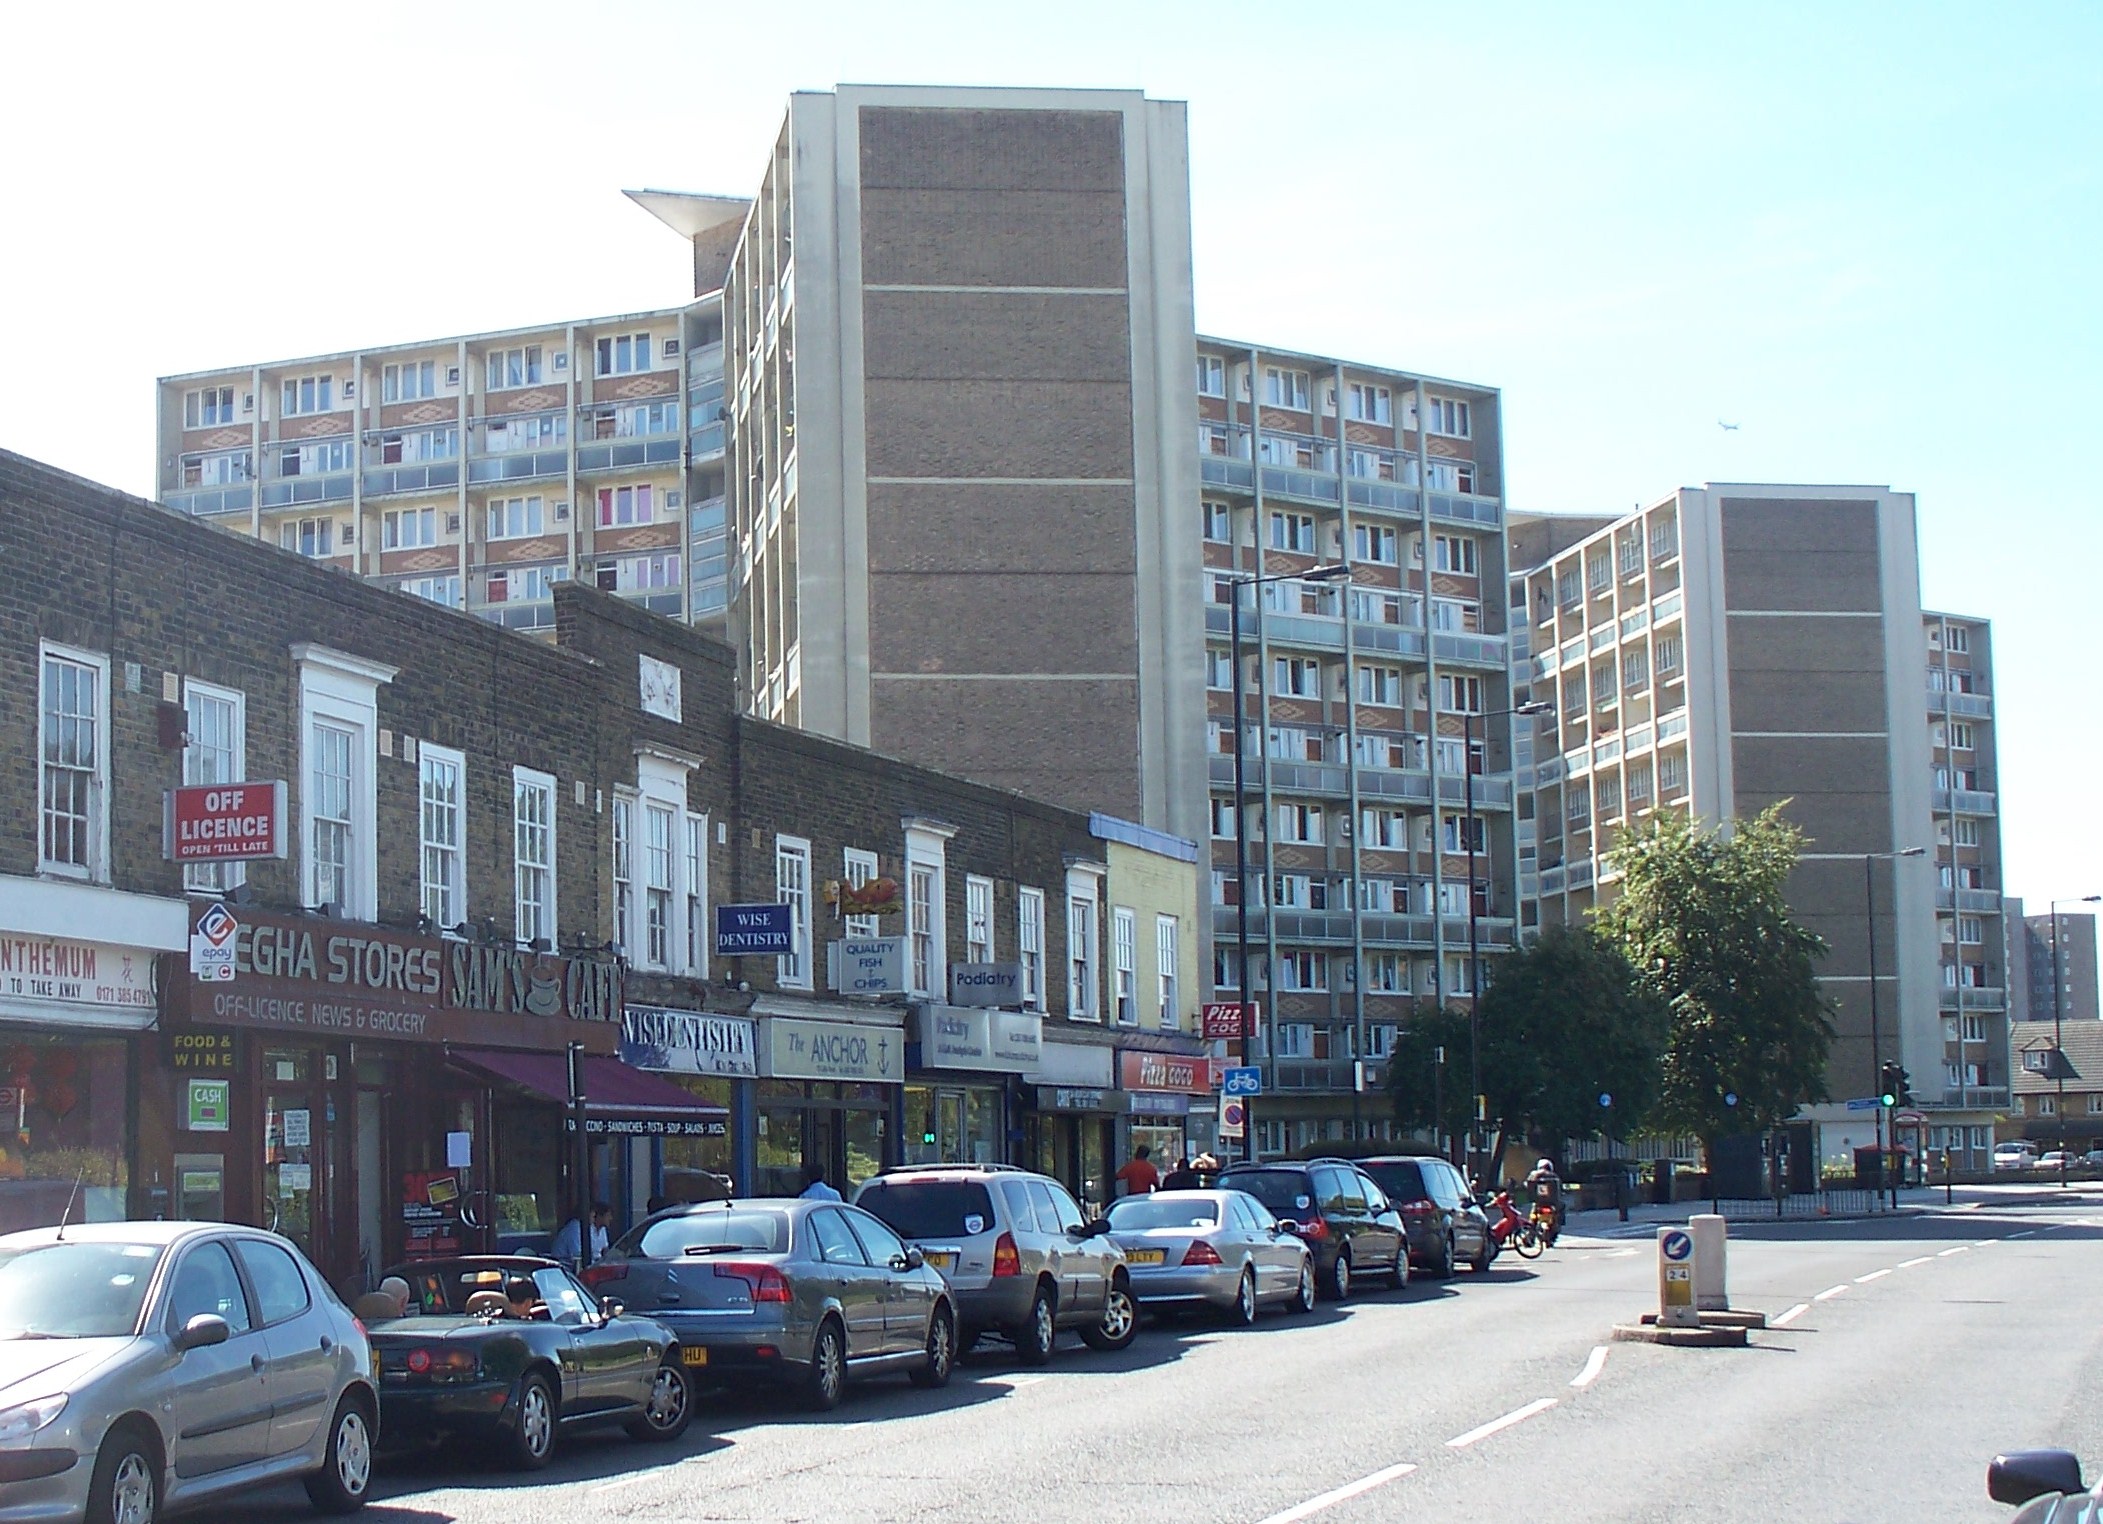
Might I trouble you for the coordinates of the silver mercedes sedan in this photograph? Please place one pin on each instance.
(151, 1366)
(1219, 1249)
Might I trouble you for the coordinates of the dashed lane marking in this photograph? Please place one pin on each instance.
(1785, 1319)
(1364, 1484)
(2024, 1234)
(1498, 1425)
(1874, 1275)
(1593, 1366)
(1908, 1264)
(1829, 1293)
(1960, 1249)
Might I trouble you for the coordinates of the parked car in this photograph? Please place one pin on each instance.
(2018, 1154)
(1439, 1213)
(1337, 1208)
(1021, 1258)
(2057, 1158)
(1218, 1249)
(2093, 1158)
(806, 1294)
(151, 1366)
(514, 1348)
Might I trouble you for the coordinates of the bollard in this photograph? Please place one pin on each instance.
(1676, 1279)
(1711, 1250)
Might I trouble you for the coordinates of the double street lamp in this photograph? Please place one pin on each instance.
(2058, 1053)
(1329, 573)
(1876, 1031)
(1467, 719)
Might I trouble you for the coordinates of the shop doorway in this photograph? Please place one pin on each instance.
(295, 1176)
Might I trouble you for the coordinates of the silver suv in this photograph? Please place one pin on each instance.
(1021, 1258)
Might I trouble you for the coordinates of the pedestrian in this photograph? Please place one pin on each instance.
(1181, 1178)
(1137, 1174)
(657, 1204)
(569, 1240)
(815, 1186)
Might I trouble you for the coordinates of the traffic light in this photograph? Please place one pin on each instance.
(1901, 1086)
(1888, 1083)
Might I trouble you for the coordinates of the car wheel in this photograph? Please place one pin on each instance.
(346, 1468)
(941, 1351)
(1340, 1275)
(670, 1406)
(1120, 1321)
(1485, 1256)
(532, 1438)
(1442, 1267)
(1243, 1312)
(826, 1381)
(1040, 1330)
(1400, 1279)
(1303, 1295)
(126, 1488)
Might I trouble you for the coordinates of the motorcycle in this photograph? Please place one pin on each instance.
(1547, 1222)
(1508, 1229)
(2049, 1481)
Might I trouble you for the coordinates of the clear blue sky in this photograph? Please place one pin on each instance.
(1869, 235)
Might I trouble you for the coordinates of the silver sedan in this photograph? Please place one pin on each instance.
(1219, 1249)
(159, 1365)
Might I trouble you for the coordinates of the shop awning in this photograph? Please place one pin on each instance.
(618, 1100)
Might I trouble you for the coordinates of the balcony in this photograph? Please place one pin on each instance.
(1963, 801)
(706, 442)
(1973, 997)
(1968, 706)
(519, 614)
(1311, 1074)
(231, 498)
(666, 603)
(301, 491)
(626, 454)
(1332, 928)
(521, 465)
(432, 476)
(1493, 791)
(1988, 900)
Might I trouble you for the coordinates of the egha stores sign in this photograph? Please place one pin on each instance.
(310, 977)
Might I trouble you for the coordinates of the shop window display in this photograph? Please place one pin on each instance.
(62, 1131)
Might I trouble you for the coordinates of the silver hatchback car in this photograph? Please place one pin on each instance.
(158, 1365)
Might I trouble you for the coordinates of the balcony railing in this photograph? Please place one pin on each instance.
(233, 497)
(1493, 791)
(1971, 706)
(428, 477)
(1332, 928)
(518, 466)
(666, 603)
(1964, 801)
(295, 491)
(1307, 486)
(707, 441)
(1973, 997)
(1968, 899)
(519, 614)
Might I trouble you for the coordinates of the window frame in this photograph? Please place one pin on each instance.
(1084, 945)
(1029, 945)
(1124, 942)
(214, 878)
(1168, 970)
(95, 820)
(342, 691)
(794, 970)
(857, 867)
(523, 781)
(978, 919)
(450, 860)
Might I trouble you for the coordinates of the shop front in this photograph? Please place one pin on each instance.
(715, 1060)
(828, 1095)
(1071, 1134)
(964, 1076)
(350, 1086)
(74, 1015)
(1159, 1089)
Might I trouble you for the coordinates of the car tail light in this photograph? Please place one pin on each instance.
(1416, 1209)
(600, 1274)
(767, 1283)
(1007, 1260)
(1314, 1230)
(419, 1362)
(1201, 1253)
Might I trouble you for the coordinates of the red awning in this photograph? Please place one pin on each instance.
(617, 1099)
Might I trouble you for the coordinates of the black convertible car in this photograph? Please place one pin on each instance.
(514, 1348)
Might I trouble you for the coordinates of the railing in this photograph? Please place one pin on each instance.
(519, 466)
(1380, 929)
(1971, 706)
(235, 496)
(1965, 801)
(1477, 650)
(422, 478)
(667, 603)
(1973, 997)
(706, 441)
(1968, 899)
(1493, 791)
(620, 454)
(519, 615)
(290, 491)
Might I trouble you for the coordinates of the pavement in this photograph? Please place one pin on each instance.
(1908, 1349)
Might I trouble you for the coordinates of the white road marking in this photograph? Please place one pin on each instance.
(1908, 1264)
(1593, 1367)
(1969, 1206)
(1829, 1293)
(1874, 1275)
(1622, 1254)
(1790, 1316)
(1017, 1383)
(2024, 1234)
(1364, 1484)
(626, 1481)
(1498, 1425)
(1960, 1249)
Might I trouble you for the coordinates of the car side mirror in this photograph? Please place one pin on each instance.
(1086, 1230)
(2017, 1476)
(1289, 1229)
(202, 1331)
(912, 1259)
(611, 1307)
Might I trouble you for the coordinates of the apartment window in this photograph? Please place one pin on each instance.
(1672, 773)
(645, 418)
(1628, 552)
(1465, 835)
(1386, 974)
(1303, 970)
(508, 436)
(1218, 523)
(514, 367)
(1635, 668)
(208, 407)
(1969, 929)
(641, 574)
(1599, 572)
(442, 800)
(658, 846)
(1967, 832)
(978, 920)
(418, 445)
(1285, 388)
(1961, 736)
(625, 355)
(1607, 796)
(319, 459)
(1603, 690)
(1300, 823)
(1974, 1028)
(1293, 532)
(339, 729)
(1379, 685)
(1212, 376)
(533, 855)
(216, 719)
(1222, 817)
(1219, 670)
(858, 867)
(624, 505)
(1638, 785)
(1298, 677)
(1369, 404)
(73, 726)
(1959, 640)
(1567, 585)
(1454, 553)
(1664, 539)
(313, 538)
(1083, 1002)
(1448, 416)
(408, 381)
(1370, 465)
(2047, 1106)
(1029, 945)
(442, 590)
(1226, 967)
(1373, 542)
(623, 871)
(1168, 970)
(1460, 695)
(408, 528)
(792, 887)
(1667, 654)
(309, 394)
(516, 518)
(219, 470)
(695, 884)
(1385, 830)
(1125, 943)
(1578, 803)
(1368, 607)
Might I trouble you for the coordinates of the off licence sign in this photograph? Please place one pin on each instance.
(223, 822)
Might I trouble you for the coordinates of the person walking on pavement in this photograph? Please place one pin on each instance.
(1137, 1174)
(1181, 1178)
(815, 1187)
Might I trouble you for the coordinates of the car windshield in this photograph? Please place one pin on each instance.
(930, 1208)
(1400, 1178)
(1131, 1214)
(74, 1290)
(751, 1230)
(1284, 1191)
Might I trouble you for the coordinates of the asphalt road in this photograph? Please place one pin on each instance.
(1912, 1349)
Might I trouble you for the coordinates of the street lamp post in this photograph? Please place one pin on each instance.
(1467, 767)
(2058, 1053)
(1241, 815)
(1876, 1034)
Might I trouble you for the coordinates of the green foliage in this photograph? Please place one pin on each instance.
(1703, 918)
(1410, 1068)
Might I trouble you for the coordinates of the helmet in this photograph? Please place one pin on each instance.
(1546, 1166)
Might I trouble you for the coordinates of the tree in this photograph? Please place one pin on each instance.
(1565, 1020)
(1412, 1065)
(1703, 918)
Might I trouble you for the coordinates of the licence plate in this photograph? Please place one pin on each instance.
(693, 1355)
(941, 1259)
(1145, 1256)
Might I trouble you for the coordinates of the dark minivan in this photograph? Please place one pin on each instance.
(1342, 1213)
(1438, 1211)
